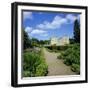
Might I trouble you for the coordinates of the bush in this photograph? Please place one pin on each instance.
(75, 68)
(26, 73)
(41, 70)
(71, 56)
(34, 64)
(57, 48)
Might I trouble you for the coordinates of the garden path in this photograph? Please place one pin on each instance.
(56, 66)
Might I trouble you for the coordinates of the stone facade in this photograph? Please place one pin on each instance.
(59, 41)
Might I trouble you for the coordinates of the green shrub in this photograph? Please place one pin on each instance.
(33, 64)
(71, 56)
(26, 73)
(41, 70)
(57, 48)
(75, 68)
(61, 55)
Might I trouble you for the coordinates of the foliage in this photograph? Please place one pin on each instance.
(71, 57)
(75, 68)
(34, 42)
(72, 41)
(41, 70)
(27, 42)
(34, 64)
(55, 48)
(44, 42)
(76, 31)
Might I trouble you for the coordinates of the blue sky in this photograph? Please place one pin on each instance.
(44, 25)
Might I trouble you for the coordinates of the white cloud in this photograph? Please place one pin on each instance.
(28, 29)
(71, 18)
(27, 15)
(37, 31)
(57, 22)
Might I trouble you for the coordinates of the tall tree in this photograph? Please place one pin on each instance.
(34, 42)
(26, 40)
(77, 31)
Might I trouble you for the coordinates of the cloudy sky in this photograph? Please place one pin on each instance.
(44, 25)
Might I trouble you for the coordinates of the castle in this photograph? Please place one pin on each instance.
(59, 41)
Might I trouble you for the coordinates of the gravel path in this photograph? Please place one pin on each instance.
(55, 66)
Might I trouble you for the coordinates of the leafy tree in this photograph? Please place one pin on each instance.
(34, 42)
(47, 41)
(27, 43)
(72, 41)
(77, 31)
(42, 42)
